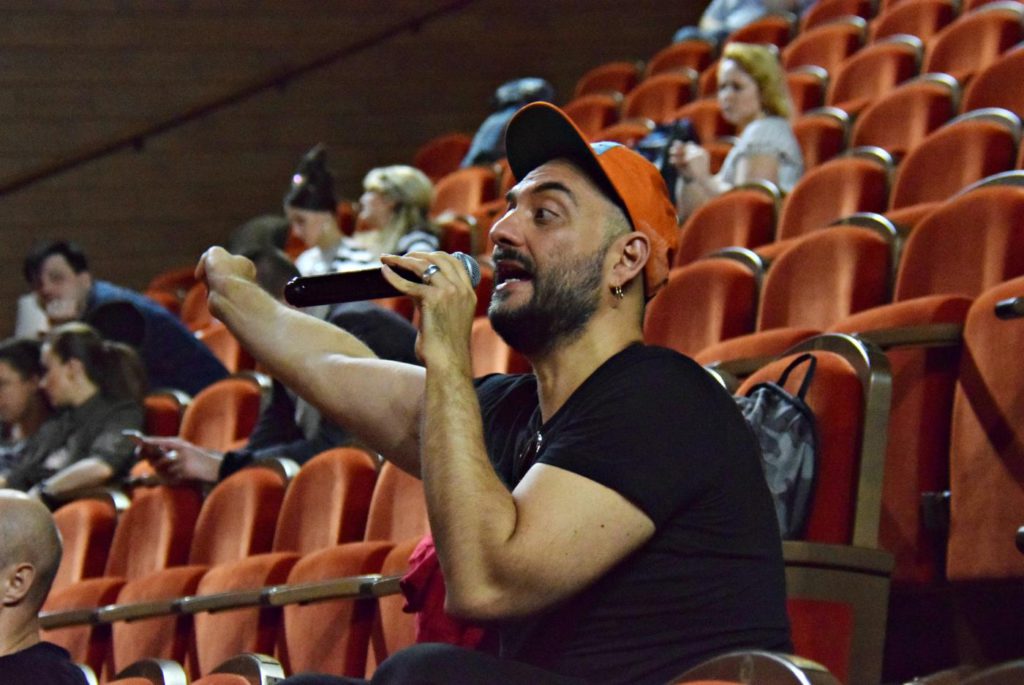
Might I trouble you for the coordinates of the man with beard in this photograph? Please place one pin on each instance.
(607, 513)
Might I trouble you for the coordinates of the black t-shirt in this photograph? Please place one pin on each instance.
(44, 663)
(658, 429)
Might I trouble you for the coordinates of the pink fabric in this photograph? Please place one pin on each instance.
(424, 591)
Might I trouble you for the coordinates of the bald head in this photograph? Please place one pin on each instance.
(28, 537)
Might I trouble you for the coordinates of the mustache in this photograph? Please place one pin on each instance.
(511, 254)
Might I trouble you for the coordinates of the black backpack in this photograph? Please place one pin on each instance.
(787, 433)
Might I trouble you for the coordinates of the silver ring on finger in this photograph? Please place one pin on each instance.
(429, 273)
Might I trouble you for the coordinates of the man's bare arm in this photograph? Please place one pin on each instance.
(377, 400)
(503, 554)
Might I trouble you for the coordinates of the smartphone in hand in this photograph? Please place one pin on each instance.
(143, 448)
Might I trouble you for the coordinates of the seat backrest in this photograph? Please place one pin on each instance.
(393, 629)
(87, 529)
(850, 398)
(327, 501)
(692, 53)
(706, 117)
(703, 303)
(873, 71)
(223, 413)
(195, 313)
(658, 97)
(593, 112)
(742, 217)
(398, 510)
(238, 517)
(619, 77)
(490, 353)
(982, 143)
(840, 187)
(155, 532)
(824, 11)
(825, 276)
(968, 244)
(442, 154)
(826, 45)
(899, 120)
(822, 134)
(164, 411)
(626, 132)
(807, 86)
(464, 190)
(776, 28)
(975, 40)
(921, 18)
(997, 85)
(987, 444)
(225, 347)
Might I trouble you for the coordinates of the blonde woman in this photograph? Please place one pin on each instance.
(392, 218)
(753, 96)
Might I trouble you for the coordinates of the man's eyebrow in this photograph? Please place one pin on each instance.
(546, 187)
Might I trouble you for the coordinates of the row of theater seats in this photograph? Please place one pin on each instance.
(730, 308)
(177, 562)
(875, 96)
(835, 63)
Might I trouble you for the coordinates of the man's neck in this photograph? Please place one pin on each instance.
(18, 636)
(561, 371)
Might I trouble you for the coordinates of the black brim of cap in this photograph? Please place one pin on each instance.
(539, 133)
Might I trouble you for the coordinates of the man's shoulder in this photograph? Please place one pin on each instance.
(641, 366)
(44, 663)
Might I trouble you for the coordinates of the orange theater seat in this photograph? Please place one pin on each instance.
(874, 71)
(442, 155)
(658, 97)
(703, 303)
(899, 120)
(975, 40)
(224, 413)
(920, 18)
(618, 77)
(827, 45)
(741, 217)
(693, 53)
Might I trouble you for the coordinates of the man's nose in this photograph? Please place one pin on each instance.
(506, 230)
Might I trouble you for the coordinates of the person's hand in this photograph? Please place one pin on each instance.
(446, 299)
(178, 459)
(218, 268)
(60, 311)
(691, 160)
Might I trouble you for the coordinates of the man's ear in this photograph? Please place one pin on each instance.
(17, 581)
(633, 250)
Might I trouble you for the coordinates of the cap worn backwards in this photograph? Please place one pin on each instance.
(540, 132)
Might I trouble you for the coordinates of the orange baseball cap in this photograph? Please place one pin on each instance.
(540, 132)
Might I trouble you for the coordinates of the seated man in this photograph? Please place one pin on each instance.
(59, 274)
(607, 513)
(30, 553)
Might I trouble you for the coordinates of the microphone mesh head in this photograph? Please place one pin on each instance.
(471, 267)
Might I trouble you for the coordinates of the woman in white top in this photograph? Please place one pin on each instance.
(753, 95)
(392, 216)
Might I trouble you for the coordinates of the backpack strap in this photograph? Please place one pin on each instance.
(811, 366)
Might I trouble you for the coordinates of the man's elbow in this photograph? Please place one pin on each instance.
(482, 604)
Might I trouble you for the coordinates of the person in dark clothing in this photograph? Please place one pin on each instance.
(174, 358)
(607, 513)
(30, 551)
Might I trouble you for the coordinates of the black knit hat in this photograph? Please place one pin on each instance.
(312, 184)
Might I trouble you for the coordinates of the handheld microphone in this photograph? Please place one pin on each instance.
(356, 286)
